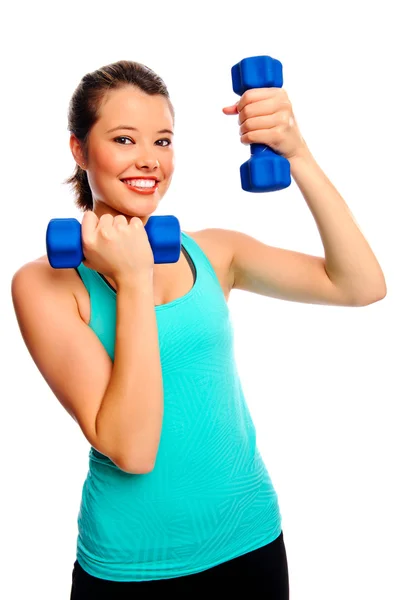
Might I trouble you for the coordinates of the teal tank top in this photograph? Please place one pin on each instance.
(209, 498)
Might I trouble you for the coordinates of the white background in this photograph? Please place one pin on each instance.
(320, 381)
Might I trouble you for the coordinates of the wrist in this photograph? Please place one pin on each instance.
(134, 281)
(301, 160)
(302, 153)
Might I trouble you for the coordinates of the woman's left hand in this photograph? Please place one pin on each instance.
(265, 117)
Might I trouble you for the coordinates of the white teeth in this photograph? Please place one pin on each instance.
(141, 182)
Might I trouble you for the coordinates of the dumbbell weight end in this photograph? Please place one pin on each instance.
(265, 171)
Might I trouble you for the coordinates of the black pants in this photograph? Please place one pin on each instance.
(264, 571)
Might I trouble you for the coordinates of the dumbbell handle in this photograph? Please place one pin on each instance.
(272, 77)
(65, 248)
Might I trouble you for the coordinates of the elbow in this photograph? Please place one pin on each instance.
(382, 292)
(374, 294)
(135, 467)
(371, 299)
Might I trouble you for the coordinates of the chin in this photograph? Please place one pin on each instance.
(142, 214)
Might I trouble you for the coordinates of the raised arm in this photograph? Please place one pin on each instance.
(118, 406)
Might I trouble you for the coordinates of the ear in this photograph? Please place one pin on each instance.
(76, 150)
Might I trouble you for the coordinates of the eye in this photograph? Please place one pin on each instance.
(163, 145)
(122, 138)
(165, 140)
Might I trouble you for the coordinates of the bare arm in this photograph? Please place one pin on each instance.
(131, 413)
(112, 403)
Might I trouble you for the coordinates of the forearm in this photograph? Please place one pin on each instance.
(131, 413)
(349, 260)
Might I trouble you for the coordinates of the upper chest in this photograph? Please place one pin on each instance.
(171, 281)
(174, 280)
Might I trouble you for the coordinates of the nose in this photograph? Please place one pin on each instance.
(147, 164)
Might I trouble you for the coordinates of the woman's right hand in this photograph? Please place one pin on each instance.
(116, 248)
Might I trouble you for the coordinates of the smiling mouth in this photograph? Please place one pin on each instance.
(142, 186)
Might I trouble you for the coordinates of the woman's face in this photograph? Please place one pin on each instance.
(118, 152)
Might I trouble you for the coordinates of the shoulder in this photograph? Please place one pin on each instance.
(217, 244)
(40, 268)
(34, 271)
(215, 240)
(38, 276)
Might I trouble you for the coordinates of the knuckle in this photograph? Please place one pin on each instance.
(283, 94)
(285, 117)
(88, 241)
(120, 222)
(105, 233)
(137, 222)
(279, 133)
(243, 114)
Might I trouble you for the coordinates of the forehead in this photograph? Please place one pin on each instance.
(128, 104)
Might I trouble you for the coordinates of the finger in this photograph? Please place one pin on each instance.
(136, 222)
(120, 220)
(106, 218)
(106, 221)
(230, 110)
(255, 137)
(259, 108)
(256, 94)
(89, 224)
(264, 122)
(105, 226)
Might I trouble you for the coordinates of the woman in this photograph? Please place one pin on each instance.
(177, 496)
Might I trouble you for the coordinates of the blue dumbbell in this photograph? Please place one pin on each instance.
(265, 171)
(65, 248)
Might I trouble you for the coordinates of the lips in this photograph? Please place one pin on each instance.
(141, 190)
(145, 179)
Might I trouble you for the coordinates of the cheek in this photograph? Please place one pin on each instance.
(170, 164)
(111, 163)
(106, 168)
(107, 160)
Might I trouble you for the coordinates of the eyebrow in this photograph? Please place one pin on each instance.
(135, 129)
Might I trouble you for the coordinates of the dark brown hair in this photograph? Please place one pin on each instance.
(83, 112)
